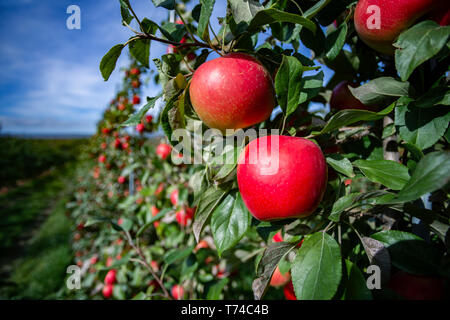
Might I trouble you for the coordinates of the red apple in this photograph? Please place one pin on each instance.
(284, 182)
(163, 150)
(110, 277)
(393, 16)
(277, 237)
(177, 292)
(155, 211)
(278, 279)
(108, 291)
(121, 107)
(174, 197)
(414, 287)
(183, 216)
(289, 292)
(109, 261)
(342, 98)
(135, 83)
(102, 158)
(154, 265)
(135, 71)
(148, 118)
(140, 128)
(136, 100)
(94, 260)
(202, 244)
(232, 92)
(160, 189)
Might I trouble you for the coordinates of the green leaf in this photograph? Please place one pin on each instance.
(418, 44)
(267, 264)
(434, 96)
(389, 173)
(341, 205)
(317, 268)
(205, 14)
(310, 86)
(109, 60)
(421, 127)
(356, 287)
(335, 41)
(168, 4)
(173, 31)
(388, 131)
(140, 50)
(271, 15)
(381, 91)
(288, 84)
(431, 174)
(209, 200)
(136, 118)
(410, 252)
(158, 216)
(149, 26)
(165, 119)
(315, 9)
(125, 13)
(244, 10)
(340, 164)
(349, 116)
(229, 222)
(214, 292)
(175, 255)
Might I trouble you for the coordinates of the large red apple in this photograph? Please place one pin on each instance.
(231, 92)
(413, 287)
(281, 182)
(278, 279)
(393, 18)
(342, 98)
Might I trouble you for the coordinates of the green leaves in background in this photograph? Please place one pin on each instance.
(269, 16)
(288, 84)
(431, 173)
(342, 204)
(389, 173)
(205, 13)
(229, 222)
(173, 31)
(335, 41)
(108, 63)
(381, 91)
(346, 117)
(317, 268)
(136, 118)
(310, 86)
(418, 44)
(168, 4)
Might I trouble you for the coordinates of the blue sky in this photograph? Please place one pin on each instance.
(49, 76)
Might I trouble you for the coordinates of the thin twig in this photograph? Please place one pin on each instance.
(144, 263)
